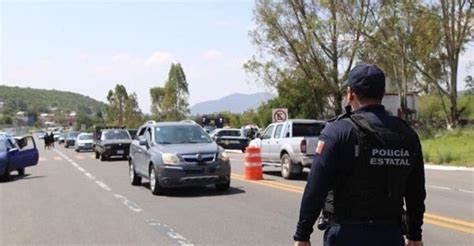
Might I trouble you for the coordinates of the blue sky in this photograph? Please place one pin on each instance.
(89, 46)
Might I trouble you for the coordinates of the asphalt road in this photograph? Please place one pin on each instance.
(71, 198)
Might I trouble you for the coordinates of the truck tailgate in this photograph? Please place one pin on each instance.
(311, 143)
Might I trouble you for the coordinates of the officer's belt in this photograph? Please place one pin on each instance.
(362, 221)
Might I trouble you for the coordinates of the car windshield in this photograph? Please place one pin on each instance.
(116, 135)
(73, 135)
(307, 129)
(85, 137)
(180, 134)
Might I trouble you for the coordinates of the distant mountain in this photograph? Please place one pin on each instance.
(14, 99)
(235, 103)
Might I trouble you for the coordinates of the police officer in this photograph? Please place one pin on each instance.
(368, 165)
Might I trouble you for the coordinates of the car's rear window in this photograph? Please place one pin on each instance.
(230, 133)
(85, 137)
(116, 135)
(307, 129)
(72, 135)
(181, 134)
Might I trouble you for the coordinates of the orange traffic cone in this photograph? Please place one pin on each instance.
(253, 163)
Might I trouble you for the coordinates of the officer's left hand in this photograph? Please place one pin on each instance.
(300, 243)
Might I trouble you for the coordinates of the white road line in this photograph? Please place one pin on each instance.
(90, 176)
(131, 205)
(81, 169)
(168, 232)
(103, 185)
(466, 191)
(439, 187)
(450, 189)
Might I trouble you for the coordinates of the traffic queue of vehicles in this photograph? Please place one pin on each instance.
(178, 154)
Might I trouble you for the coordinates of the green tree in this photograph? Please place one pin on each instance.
(308, 44)
(442, 28)
(133, 114)
(116, 108)
(123, 108)
(157, 95)
(174, 104)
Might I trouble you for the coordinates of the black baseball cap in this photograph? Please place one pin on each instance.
(367, 80)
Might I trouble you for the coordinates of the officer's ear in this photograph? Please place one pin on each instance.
(350, 95)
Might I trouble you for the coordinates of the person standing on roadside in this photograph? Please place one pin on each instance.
(46, 140)
(368, 164)
(51, 140)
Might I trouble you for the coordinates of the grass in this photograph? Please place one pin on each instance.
(450, 148)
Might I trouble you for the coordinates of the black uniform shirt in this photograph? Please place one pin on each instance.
(336, 154)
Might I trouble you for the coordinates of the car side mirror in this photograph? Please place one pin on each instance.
(258, 135)
(13, 150)
(143, 142)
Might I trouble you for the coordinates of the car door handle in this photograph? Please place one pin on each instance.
(140, 150)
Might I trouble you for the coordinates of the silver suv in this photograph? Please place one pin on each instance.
(177, 154)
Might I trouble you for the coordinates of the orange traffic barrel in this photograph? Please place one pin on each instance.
(253, 163)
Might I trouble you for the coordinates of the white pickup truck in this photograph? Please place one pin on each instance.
(290, 145)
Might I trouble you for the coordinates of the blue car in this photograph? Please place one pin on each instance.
(16, 154)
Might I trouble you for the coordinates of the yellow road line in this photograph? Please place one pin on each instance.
(80, 157)
(449, 220)
(92, 156)
(57, 158)
(42, 159)
(274, 183)
(449, 226)
(441, 221)
(268, 185)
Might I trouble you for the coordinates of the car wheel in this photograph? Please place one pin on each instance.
(288, 169)
(134, 178)
(76, 150)
(21, 171)
(155, 186)
(243, 150)
(103, 157)
(6, 176)
(97, 155)
(223, 186)
(66, 146)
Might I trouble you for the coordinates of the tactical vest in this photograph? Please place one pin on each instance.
(374, 186)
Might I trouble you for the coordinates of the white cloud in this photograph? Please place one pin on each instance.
(212, 54)
(158, 58)
(121, 58)
(38, 69)
(223, 23)
(84, 56)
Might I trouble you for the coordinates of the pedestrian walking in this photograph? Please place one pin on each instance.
(368, 166)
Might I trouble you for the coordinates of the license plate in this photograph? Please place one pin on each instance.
(120, 152)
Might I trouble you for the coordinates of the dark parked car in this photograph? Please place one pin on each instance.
(230, 139)
(110, 142)
(71, 139)
(177, 154)
(16, 155)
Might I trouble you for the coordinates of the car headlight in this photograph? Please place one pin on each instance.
(170, 159)
(80, 144)
(223, 156)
